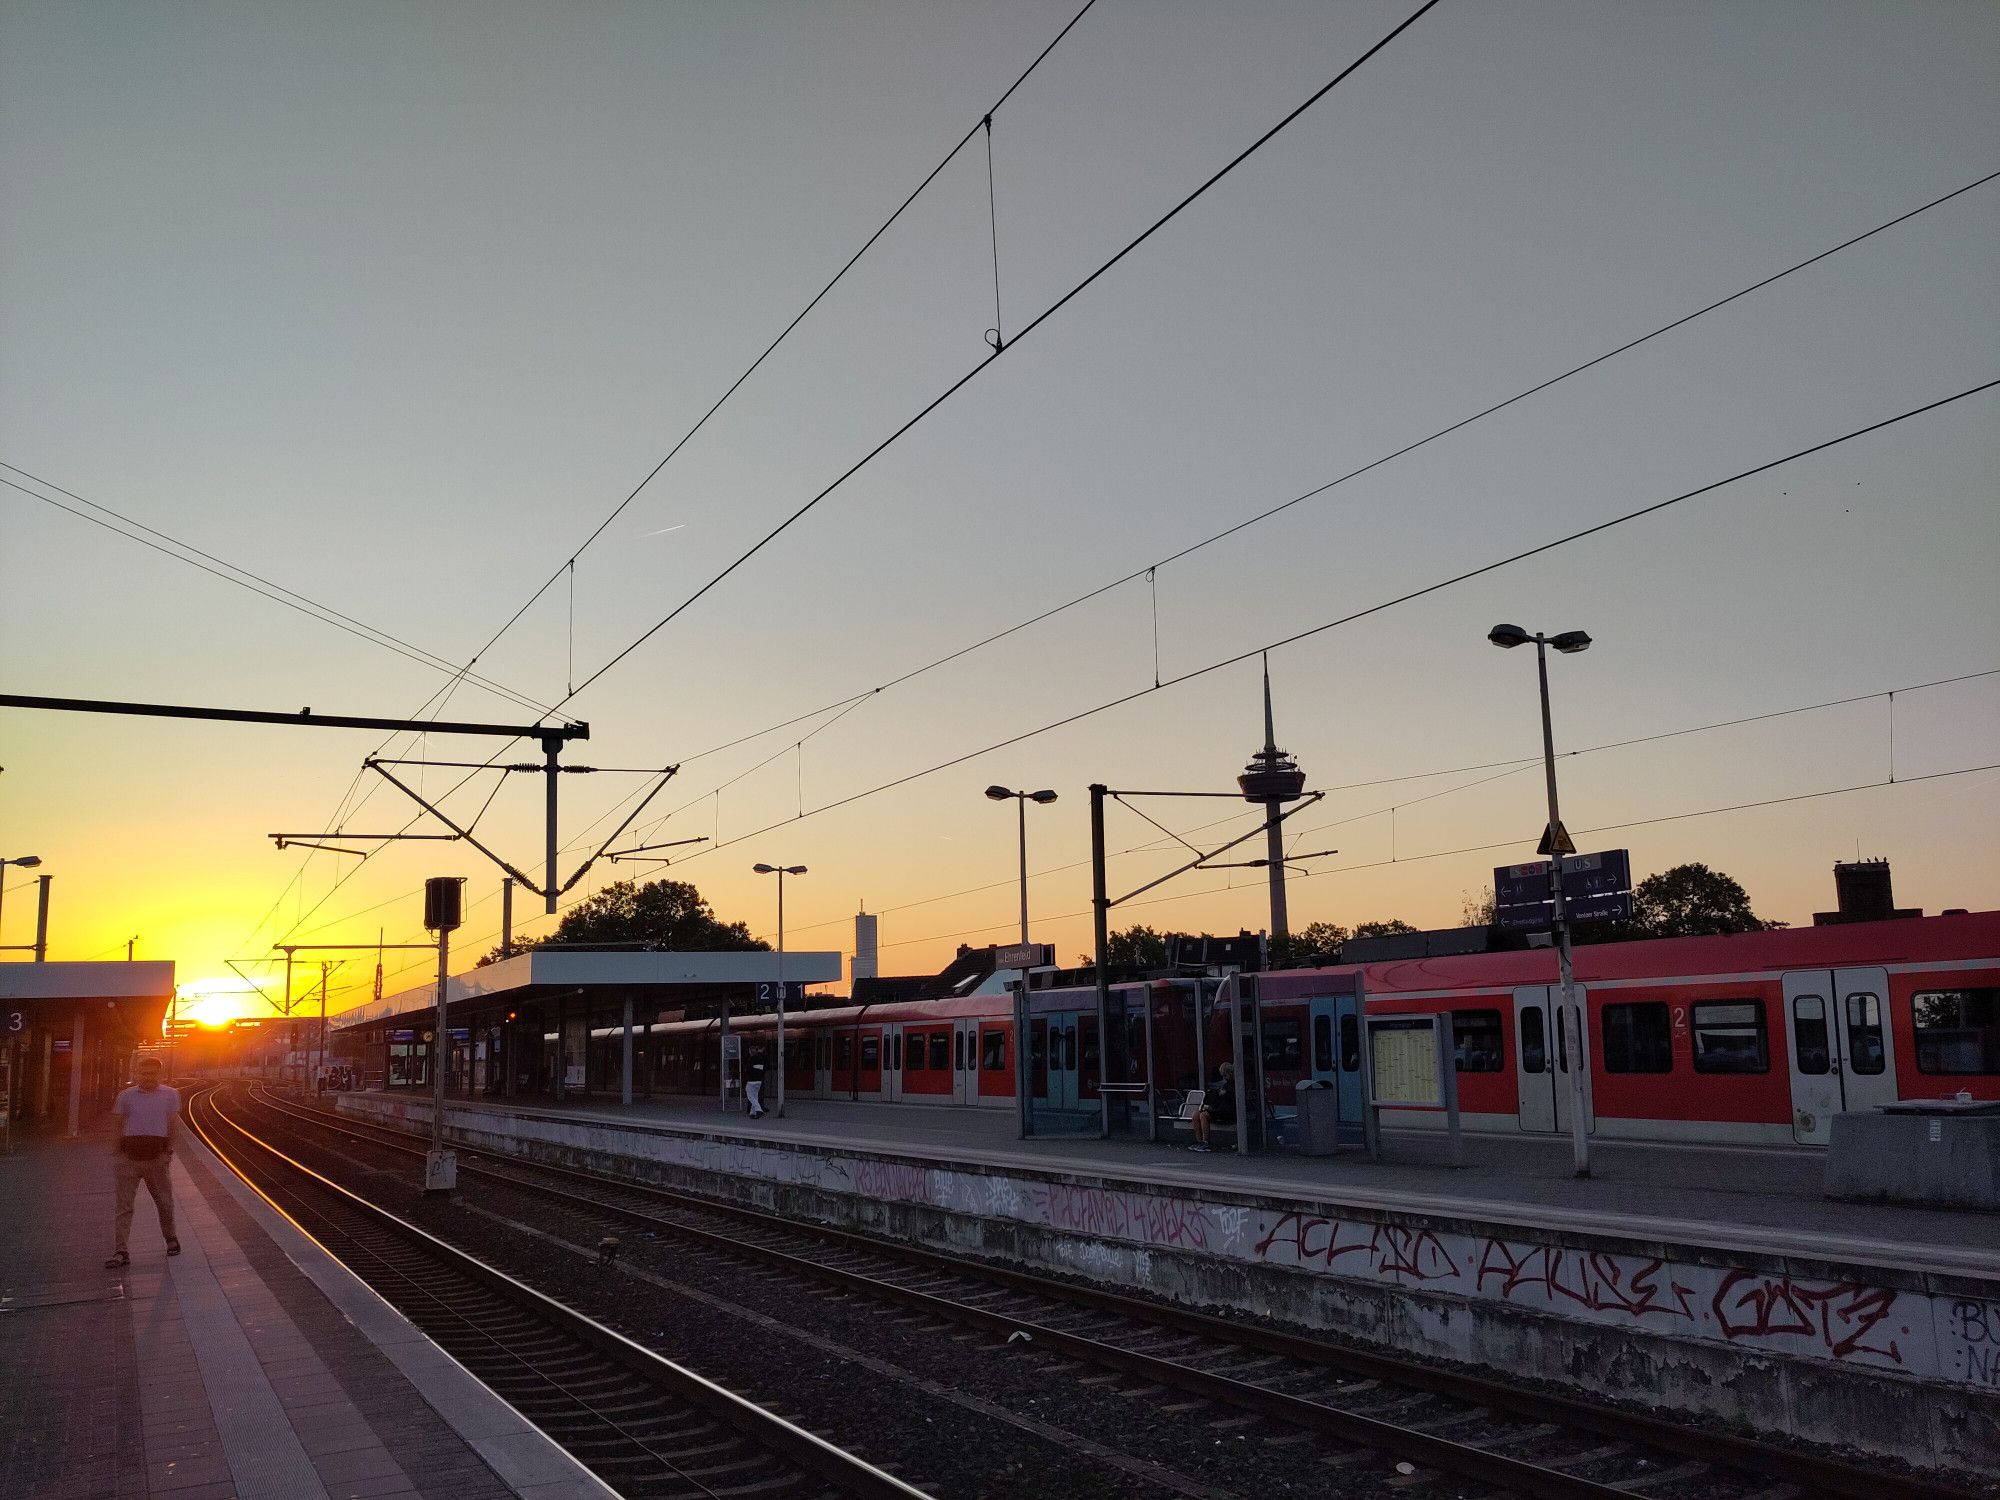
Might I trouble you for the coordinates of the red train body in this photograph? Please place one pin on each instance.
(1759, 1038)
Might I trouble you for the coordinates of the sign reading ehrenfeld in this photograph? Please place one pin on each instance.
(1020, 956)
(1595, 887)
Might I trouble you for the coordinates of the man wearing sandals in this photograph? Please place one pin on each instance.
(146, 1114)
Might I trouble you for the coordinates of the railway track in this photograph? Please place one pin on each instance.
(650, 1429)
(1424, 1422)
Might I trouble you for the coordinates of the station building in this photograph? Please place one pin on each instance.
(67, 1035)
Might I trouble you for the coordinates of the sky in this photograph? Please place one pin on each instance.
(391, 305)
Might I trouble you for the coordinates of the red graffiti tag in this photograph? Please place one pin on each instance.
(1591, 1279)
(1845, 1318)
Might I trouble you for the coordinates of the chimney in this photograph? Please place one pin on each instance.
(1865, 892)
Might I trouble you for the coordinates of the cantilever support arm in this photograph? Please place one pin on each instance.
(1205, 861)
(666, 775)
(465, 833)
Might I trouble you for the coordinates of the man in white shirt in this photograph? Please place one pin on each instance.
(146, 1115)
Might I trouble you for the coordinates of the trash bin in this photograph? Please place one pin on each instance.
(1318, 1118)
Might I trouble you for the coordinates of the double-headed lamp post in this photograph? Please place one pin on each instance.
(781, 871)
(26, 862)
(1021, 801)
(1576, 1034)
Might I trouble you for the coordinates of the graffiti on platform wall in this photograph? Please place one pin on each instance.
(1969, 1340)
(1587, 1279)
(1844, 1322)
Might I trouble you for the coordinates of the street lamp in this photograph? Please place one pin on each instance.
(781, 871)
(1569, 642)
(1021, 801)
(26, 862)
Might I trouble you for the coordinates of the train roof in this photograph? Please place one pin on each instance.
(1962, 937)
(973, 1007)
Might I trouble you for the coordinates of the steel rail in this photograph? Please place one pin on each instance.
(807, 1450)
(1828, 1475)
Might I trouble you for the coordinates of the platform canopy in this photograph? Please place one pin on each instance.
(146, 980)
(665, 978)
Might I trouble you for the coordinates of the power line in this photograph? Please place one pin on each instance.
(570, 563)
(966, 379)
(255, 583)
(1148, 570)
(1514, 843)
(771, 348)
(1360, 614)
(1504, 767)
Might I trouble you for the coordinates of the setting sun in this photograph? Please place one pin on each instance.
(217, 1002)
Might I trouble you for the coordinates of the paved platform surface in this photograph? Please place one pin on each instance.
(1726, 1197)
(225, 1373)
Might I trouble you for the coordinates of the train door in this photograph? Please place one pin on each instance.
(1543, 1049)
(822, 1065)
(1346, 1018)
(868, 1060)
(892, 1064)
(1840, 1047)
(1065, 1089)
(965, 1063)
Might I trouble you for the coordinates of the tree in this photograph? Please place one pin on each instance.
(1382, 929)
(1476, 907)
(664, 914)
(1692, 901)
(1135, 947)
(1317, 943)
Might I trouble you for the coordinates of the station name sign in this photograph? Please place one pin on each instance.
(1595, 887)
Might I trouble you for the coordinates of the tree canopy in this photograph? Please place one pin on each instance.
(661, 914)
(1692, 901)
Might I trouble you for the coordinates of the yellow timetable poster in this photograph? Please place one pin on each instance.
(1404, 1059)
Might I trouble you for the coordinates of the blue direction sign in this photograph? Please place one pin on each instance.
(1595, 887)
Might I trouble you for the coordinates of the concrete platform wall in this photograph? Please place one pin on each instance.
(1822, 1352)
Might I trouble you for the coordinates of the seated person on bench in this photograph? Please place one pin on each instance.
(1219, 1106)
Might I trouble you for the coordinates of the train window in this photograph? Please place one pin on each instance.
(1809, 1039)
(940, 1051)
(1865, 1051)
(871, 1052)
(1350, 1044)
(896, 1053)
(1038, 1044)
(1322, 1044)
(1729, 1037)
(1283, 1047)
(993, 1051)
(1958, 1031)
(1638, 1038)
(913, 1052)
(1534, 1041)
(843, 1051)
(1475, 1039)
(958, 1051)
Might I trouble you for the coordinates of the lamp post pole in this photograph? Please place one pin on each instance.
(1574, 1033)
(1021, 801)
(781, 871)
(25, 862)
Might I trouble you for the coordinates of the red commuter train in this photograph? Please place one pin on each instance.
(1757, 1038)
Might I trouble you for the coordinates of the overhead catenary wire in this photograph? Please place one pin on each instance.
(1513, 843)
(785, 333)
(970, 375)
(1353, 616)
(1149, 572)
(255, 583)
(617, 510)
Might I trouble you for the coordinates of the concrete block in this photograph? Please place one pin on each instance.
(1942, 1160)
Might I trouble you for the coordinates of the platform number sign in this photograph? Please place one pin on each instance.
(795, 992)
(17, 1022)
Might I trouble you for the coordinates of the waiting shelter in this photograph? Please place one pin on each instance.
(67, 1035)
(566, 1023)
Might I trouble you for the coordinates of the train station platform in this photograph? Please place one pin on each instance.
(1717, 1281)
(1767, 1199)
(250, 1367)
